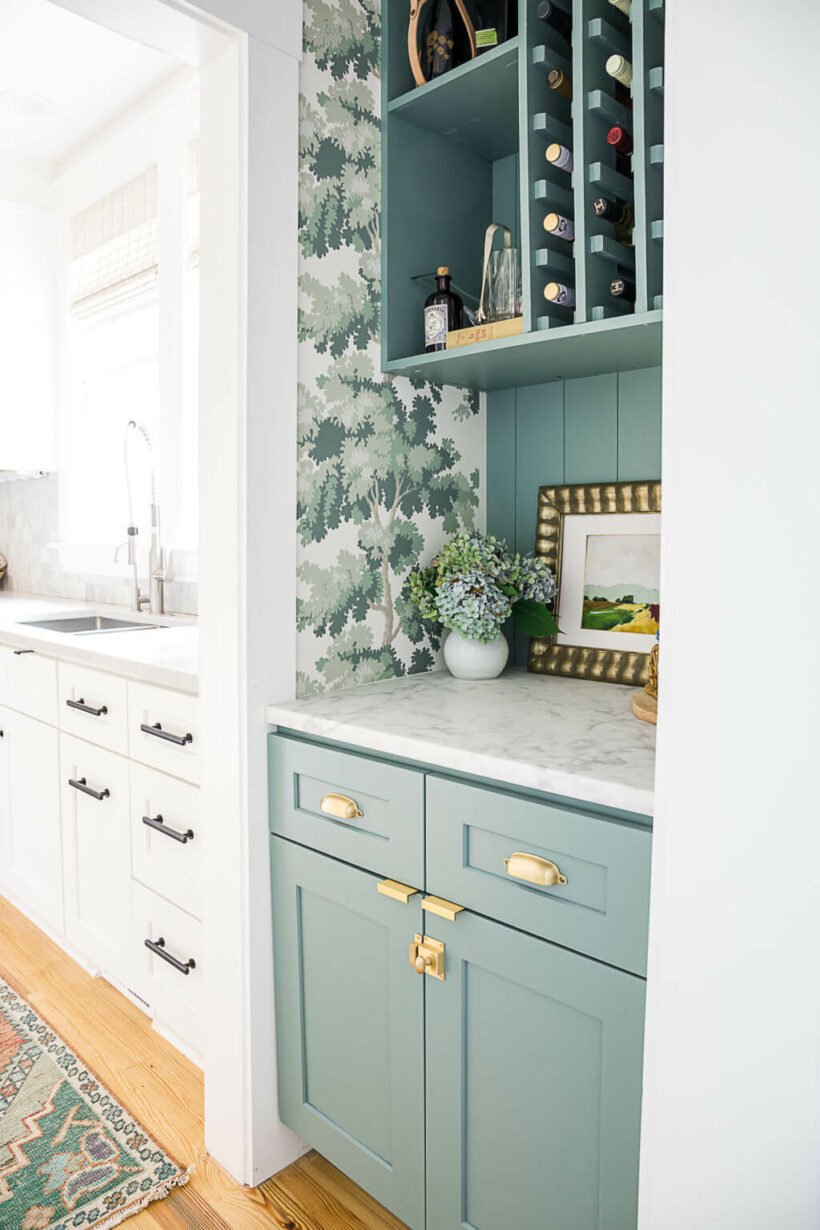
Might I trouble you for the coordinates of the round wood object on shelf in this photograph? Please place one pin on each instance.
(645, 707)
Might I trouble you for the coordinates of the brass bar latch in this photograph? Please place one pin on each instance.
(534, 870)
(340, 807)
(427, 956)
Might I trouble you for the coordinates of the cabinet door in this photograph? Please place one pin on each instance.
(533, 1085)
(350, 1024)
(30, 843)
(97, 853)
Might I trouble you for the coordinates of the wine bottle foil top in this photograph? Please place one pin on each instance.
(559, 292)
(560, 82)
(620, 138)
(558, 225)
(624, 5)
(559, 156)
(620, 68)
(622, 288)
(602, 207)
(442, 271)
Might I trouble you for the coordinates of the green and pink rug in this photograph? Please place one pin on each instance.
(70, 1157)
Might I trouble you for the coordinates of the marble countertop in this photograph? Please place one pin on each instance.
(561, 736)
(167, 656)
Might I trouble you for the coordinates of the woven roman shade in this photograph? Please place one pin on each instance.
(115, 246)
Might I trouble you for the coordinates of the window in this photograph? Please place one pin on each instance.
(131, 353)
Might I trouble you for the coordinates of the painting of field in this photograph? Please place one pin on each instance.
(621, 583)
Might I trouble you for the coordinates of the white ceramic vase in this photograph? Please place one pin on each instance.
(467, 659)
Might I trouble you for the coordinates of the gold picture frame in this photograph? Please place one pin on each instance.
(546, 657)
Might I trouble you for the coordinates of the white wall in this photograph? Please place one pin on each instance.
(730, 1133)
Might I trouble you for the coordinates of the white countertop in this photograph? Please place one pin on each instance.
(168, 656)
(561, 736)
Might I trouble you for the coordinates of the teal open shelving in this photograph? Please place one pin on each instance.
(469, 149)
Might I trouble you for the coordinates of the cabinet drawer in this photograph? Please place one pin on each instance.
(29, 683)
(603, 907)
(176, 998)
(166, 855)
(163, 730)
(376, 820)
(94, 706)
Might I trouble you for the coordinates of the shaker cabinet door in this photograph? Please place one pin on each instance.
(30, 839)
(534, 1059)
(350, 1023)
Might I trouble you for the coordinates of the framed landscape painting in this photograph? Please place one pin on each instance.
(603, 543)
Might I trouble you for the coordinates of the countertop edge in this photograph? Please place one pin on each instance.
(129, 668)
(512, 773)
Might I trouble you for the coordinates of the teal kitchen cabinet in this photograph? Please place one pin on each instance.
(472, 1068)
(533, 1080)
(350, 1024)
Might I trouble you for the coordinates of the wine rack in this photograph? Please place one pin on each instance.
(470, 149)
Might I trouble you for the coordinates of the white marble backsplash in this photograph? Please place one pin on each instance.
(29, 527)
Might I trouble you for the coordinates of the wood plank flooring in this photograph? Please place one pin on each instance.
(164, 1091)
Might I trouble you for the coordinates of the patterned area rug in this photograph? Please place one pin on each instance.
(70, 1157)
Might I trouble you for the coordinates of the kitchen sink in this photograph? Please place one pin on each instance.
(77, 625)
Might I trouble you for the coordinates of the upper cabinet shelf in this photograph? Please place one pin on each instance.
(475, 105)
(470, 148)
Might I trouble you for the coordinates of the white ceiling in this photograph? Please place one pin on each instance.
(62, 78)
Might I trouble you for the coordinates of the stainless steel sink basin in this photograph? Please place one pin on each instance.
(77, 625)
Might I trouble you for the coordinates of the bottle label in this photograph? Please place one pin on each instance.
(435, 325)
(486, 38)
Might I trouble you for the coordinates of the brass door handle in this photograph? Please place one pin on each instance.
(534, 870)
(427, 956)
(340, 807)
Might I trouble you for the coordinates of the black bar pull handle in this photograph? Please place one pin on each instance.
(18, 653)
(82, 785)
(157, 947)
(157, 822)
(80, 704)
(158, 733)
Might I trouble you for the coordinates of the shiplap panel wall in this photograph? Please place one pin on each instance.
(599, 429)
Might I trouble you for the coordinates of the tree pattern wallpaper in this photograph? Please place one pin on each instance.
(388, 468)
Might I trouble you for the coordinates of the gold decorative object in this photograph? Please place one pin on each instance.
(4, 563)
(416, 65)
(652, 685)
(534, 870)
(340, 807)
(645, 703)
(554, 504)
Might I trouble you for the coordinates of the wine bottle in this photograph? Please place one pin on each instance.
(620, 68)
(560, 227)
(446, 41)
(560, 83)
(620, 213)
(552, 16)
(621, 141)
(560, 293)
(622, 288)
(559, 156)
(443, 311)
(495, 22)
(624, 5)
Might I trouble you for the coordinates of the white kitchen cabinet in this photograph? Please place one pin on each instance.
(97, 853)
(30, 836)
(29, 300)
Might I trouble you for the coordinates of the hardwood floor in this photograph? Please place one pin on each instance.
(164, 1091)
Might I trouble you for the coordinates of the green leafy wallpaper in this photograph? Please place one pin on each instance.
(388, 469)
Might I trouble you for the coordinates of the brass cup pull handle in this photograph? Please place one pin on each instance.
(340, 807)
(534, 870)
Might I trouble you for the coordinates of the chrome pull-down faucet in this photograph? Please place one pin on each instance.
(154, 600)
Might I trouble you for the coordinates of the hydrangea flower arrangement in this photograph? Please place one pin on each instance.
(476, 583)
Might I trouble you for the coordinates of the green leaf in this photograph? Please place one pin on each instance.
(534, 618)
